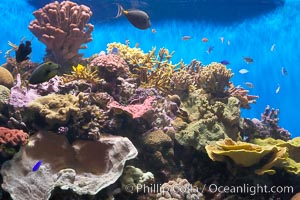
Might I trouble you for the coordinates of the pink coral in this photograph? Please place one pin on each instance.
(135, 110)
(63, 28)
(13, 136)
(111, 63)
(242, 95)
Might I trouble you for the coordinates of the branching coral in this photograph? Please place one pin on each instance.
(214, 79)
(242, 95)
(81, 73)
(63, 27)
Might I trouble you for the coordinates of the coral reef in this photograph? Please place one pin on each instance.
(6, 78)
(242, 95)
(179, 189)
(63, 28)
(86, 167)
(4, 95)
(13, 136)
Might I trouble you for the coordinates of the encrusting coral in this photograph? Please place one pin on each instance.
(63, 28)
(13, 136)
(4, 95)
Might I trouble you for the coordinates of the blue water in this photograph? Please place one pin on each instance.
(250, 35)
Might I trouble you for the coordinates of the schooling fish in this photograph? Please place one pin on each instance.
(209, 50)
(243, 71)
(186, 37)
(273, 47)
(36, 166)
(249, 84)
(43, 73)
(137, 18)
(277, 89)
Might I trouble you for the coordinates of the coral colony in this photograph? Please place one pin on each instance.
(78, 134)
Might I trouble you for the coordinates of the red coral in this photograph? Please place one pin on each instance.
(13, 136)
(136, 110)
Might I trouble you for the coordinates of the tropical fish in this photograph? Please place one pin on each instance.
(225, 62)
(228, 42)
(115, 50)
(273, 47)
(153, 30)
(43, 73)
(36, 166)
(248, 60)
(222, 39)
(137, 45)
(186, 37)
(243, 71)
(284, 71)
(23, 51)
(127, 42)
(210, 49)
(204, 39)
(137, 18)
(249, 84)
(278, 89)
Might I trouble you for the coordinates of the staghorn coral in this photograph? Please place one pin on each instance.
(63, 28)
(242, 95)
(85, 167)
(178, 189)
(6, 78)
(81, 73)
(214, 79)
(13, 136)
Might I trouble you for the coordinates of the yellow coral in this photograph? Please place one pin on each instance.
(81, 72)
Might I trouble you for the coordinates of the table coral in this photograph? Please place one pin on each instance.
(13, 136)
(6, 78)
(85, 167)
(63, 28)
(179, 189)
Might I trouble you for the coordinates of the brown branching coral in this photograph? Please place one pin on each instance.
(242, 95)
(214, 78)
(63, 28)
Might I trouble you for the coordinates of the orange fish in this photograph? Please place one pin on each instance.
(204, 40)
(137, 45)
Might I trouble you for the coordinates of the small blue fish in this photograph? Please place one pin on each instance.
(37, 166)
(115, 50)
(210, 49)
(225, 62)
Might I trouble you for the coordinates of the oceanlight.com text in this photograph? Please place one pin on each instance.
(249, 189)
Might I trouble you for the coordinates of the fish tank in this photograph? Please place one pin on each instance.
(149, 100)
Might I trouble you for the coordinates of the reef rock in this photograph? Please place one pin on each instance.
(86, 167)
